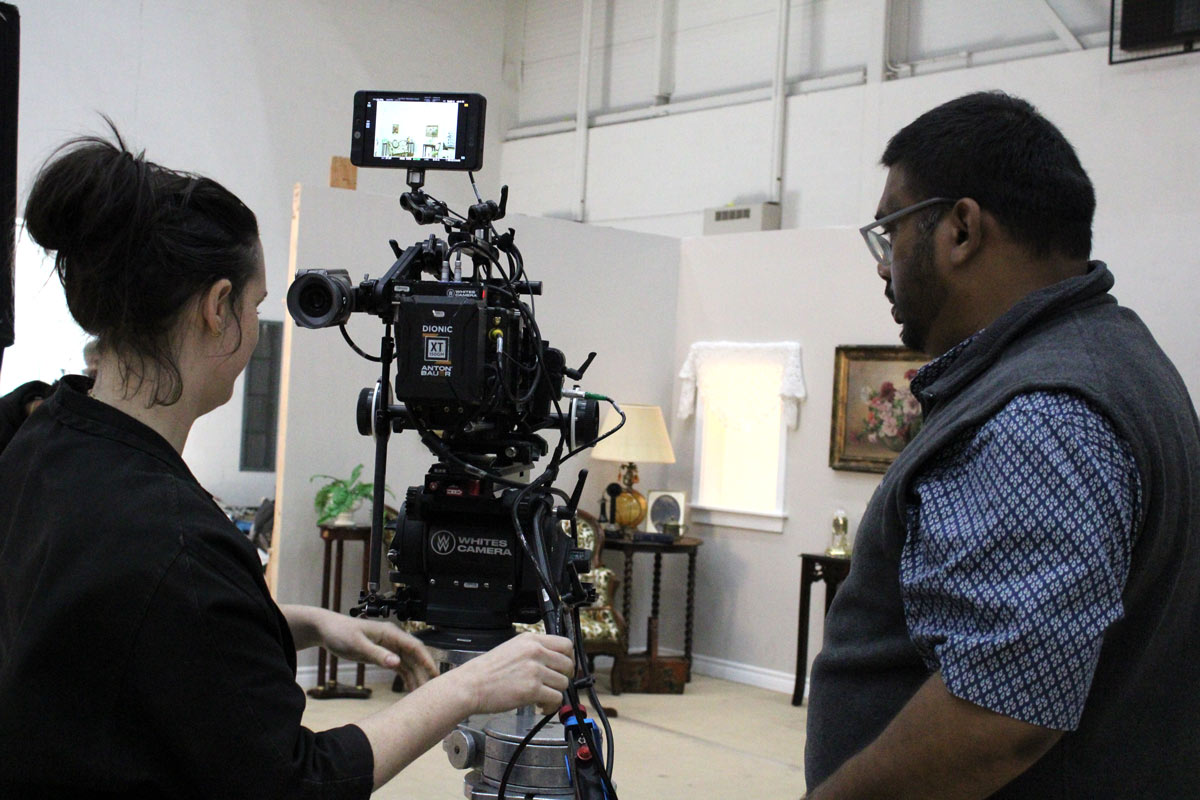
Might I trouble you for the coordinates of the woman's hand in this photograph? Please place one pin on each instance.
(365, 641)
(381, 643)
(530, 669)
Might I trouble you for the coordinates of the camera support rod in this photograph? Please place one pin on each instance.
(383, 431)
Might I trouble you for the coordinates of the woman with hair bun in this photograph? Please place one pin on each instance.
(140, 652)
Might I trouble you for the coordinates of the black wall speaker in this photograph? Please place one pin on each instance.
(10, 59)
(1159, 23)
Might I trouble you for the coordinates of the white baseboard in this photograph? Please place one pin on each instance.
(306, 676)
(770, 679)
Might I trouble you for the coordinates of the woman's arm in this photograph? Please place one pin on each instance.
(530, 669)
(304, 622)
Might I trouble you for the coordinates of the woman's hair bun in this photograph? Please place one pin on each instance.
(133, 241)
(92, 195)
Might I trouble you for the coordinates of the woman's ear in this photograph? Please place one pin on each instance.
(216, 307)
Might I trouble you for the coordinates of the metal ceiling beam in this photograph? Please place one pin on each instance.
(1060, 28)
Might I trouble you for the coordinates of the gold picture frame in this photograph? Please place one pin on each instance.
(874, 414)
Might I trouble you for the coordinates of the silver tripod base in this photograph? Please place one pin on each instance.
(539, 774)
(476, 787)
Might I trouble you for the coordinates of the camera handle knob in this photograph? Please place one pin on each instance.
(576, 374)
(573, 503)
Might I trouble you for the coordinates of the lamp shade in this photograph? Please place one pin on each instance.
(644, 438)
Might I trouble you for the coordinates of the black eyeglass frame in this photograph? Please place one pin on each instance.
(876, 240)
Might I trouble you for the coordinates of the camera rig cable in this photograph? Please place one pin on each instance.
(579, 729)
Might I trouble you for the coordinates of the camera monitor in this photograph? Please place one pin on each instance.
(418, 130)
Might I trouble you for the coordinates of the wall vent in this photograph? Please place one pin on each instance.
(743, 218)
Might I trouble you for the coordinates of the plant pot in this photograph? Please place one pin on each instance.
(344, 520)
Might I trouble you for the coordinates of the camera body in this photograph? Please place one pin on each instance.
(474, 378)
(458, 564)
(468, 362)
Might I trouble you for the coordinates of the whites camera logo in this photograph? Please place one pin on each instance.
(443, 543)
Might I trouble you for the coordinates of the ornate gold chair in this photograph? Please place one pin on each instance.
(603, 628)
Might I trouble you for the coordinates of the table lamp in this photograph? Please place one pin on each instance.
(643, 438)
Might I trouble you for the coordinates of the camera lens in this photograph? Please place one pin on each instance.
(320, 298)
(315, 301)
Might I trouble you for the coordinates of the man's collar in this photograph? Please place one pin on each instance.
(936, 368)
(946, 375)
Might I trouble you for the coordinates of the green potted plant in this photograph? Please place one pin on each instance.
(337, 500)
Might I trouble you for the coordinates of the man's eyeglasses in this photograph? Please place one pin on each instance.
(877, 238)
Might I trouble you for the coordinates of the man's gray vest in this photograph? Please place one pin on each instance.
(1140, 732)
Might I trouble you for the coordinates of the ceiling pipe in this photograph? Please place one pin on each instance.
(664, 52)
(879, 49)
(779, 92)
(581, 111)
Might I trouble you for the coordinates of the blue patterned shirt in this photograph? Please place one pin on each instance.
(1018, 547)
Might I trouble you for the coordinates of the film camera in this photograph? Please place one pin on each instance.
(474, 377)
(481, 543)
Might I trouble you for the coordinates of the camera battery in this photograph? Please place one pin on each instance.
(440, 354)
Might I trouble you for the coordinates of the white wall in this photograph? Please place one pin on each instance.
(605, 290)
(815, 287)
(254, 94)
(257, 95)
(48, 341)
(1133, 126)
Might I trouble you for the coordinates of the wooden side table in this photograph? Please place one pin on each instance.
(629, 547)
(832, 570)
(335, 536)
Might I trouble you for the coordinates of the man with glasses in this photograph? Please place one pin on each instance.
(1020, 618)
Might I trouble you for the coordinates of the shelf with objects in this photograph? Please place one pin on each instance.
(832, 567)
(644, 439)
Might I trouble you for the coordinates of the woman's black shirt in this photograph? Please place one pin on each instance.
(140, 652)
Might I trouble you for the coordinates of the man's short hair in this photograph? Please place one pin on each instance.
(999, 151)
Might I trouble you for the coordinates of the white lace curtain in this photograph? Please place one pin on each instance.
(743, 380)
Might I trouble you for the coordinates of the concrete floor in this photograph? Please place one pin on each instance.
(717, 740)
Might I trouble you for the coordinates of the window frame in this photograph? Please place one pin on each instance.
(770, 521)
(270, 333)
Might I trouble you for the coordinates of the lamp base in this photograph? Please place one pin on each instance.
(631, 508)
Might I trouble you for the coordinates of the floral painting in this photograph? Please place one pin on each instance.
(874, 413)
